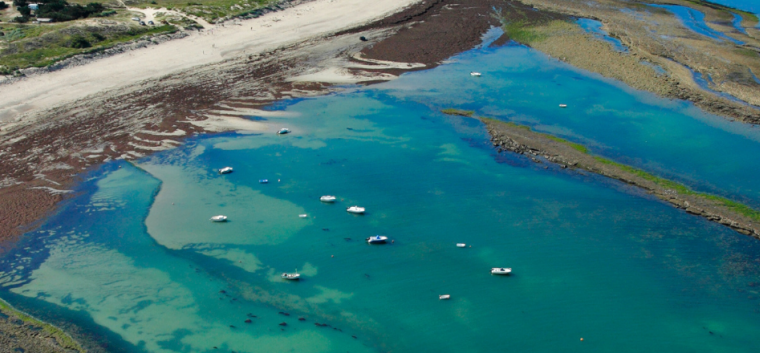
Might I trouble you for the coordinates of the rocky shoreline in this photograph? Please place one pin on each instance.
(22, 333)
(540, 148)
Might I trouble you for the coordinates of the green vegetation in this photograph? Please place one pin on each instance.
(3, 5)
(746, 52)
(209, 10)
(746, 15)
(57, 10)
(522, 31)
(685, 190)
(63, 339)
(518, 27)
(39, 46)
(452, 111)
(665, 183)
(576, 146)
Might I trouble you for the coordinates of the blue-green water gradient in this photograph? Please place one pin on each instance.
(135, 252)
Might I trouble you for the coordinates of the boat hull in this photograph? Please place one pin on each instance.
(355, 210)
(501, 271)
(379, 239)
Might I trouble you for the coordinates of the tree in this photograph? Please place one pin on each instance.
(3, 5)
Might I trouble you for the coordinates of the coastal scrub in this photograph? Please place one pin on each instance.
(40, 46)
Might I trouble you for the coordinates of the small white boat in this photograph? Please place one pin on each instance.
(501, 271)
(219, 218)
(461, 245)
(377, 239)
(303, 215)
(225, 170)
(291, 276)
(444, 297)
(476, 74)
(283, 131)
(563, 105)
(355, 209)
(327, 198)
(263, 181)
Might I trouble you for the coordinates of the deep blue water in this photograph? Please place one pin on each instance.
(134, 254)
(595, 27)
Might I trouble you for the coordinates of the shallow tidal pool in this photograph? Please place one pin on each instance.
(135, 263)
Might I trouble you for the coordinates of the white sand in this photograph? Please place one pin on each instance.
(295, 24)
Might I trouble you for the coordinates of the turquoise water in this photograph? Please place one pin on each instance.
(669, 138)
(595, 27)
(695, 21)
(134, 258)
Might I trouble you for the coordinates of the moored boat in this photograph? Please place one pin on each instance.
(461, 245)
(355, 209)
(377, 239)
(263, 181)
(444, 297)
(219, 218)
(225, 170)
(476, 74)
(291, 276)
(303, 215)
(563, 105)
(283, 131)
(328, 198)
(501, 271)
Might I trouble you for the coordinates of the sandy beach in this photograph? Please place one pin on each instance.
(309, 20)
(57, 125)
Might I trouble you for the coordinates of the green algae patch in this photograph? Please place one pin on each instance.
(452, 111)
(664, 188)
(63, 339)
(576, 146)
(734, 206)
(522, 32)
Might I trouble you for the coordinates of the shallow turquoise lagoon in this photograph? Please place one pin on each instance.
(669, 138)
(134, 260)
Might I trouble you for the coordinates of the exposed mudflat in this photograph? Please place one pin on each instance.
(654, 35)
(41, 160)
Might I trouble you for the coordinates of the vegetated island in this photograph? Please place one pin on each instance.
(508, 136)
